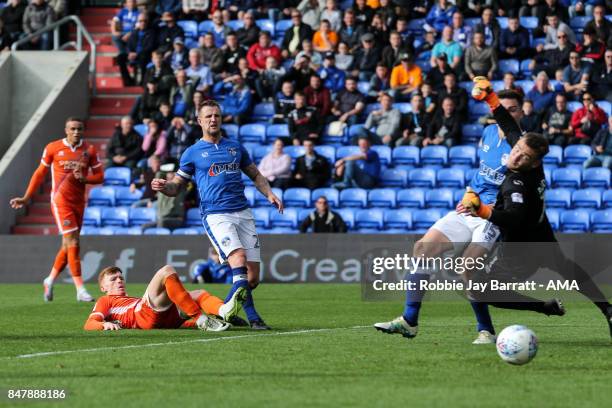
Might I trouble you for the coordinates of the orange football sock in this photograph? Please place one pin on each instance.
(58, 266)
(180, 297)
(209, 304)
(75, 266)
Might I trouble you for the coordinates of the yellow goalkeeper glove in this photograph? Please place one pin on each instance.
(471, 201)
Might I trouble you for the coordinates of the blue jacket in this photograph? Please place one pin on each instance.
(518, 39)
(333, 78)
(237, 103)
(438, 18)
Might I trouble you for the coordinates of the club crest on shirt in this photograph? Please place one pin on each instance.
(226, 241)
(66, 223)
(232, 151)
(205, 154)
(504, 159)
(60, 153)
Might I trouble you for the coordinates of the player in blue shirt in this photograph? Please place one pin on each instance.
(123, 24)
(216, 164)
(458, 232)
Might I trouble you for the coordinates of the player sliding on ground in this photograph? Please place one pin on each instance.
(69, 159)
(216, 164)
(166, 304)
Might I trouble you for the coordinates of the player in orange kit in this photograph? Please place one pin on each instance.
(166, 304)
(69, 159)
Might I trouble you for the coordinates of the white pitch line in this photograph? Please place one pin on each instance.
(170, 343)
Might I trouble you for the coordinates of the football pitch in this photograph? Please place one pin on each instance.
(323, 352)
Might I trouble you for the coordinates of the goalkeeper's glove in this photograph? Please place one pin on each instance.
(483, 91)
(471, 201)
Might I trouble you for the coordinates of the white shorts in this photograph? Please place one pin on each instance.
(461, 229)
(231, 231)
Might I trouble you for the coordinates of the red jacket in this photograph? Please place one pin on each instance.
(320, 99)
(597, 115)
(257, 55)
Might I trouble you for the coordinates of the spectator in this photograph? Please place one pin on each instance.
(37, 15)
(405, 78)
(401, 26)
(435, 76)
(349, 103)
(415, 123)
(123, 24)
(359, 170)
(602, 148)
(489, 27)
(529, 8)
(550, 7)
(333, 78)
(191, 114)
(582, 7)
(168, 6)
(439, 16)
(304, 122)
(267, 82)
(323, 220)
(232, 52)
(154, 142)
(181, 93)
(601, 25)
(318, 96)
(314, 57)
(311, 12)
(148, 104)
(12, 16)
(276, 166)
(380, 32)
(139, 47)
(510, 84)
(514, 40)
(391, 53)
(556, 123)
(170, 210)
(386, 11)
(259, 52)
(551, 60)
(300, 72)
(237, 104)
(298, 32)
(344, 58)
(211, 55)
(380, 82)
(541, 95)
(475, 7)
(179, 57)
(449, 47)
(429, 98)
(419, 7)
(363, 12)
(198, 72)
(248, 34)
(601, 78)
(458, 94)
(531, 121)
(159, 72)
(324, 39)
(163, 116)
(219, 29)
(180, 137)
(284, 103)
(429, 42)
(168, 33)
(575, 77)
(366, 58)
(591, 50)
(212, 271)
(587, 121)
(445, 127)
(386, 123)
(553, 29)
(147, 173)
(124, 148)
(331, 14)
(480, 60)
(507, 8)
(462, 34)
(195, 9)
(312, 170)
(351, 32)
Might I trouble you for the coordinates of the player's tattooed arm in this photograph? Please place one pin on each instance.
(170, 188)
(262, 185)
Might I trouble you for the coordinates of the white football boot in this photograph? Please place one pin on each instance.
(484, 337)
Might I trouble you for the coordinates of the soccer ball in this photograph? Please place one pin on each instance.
(517, 344)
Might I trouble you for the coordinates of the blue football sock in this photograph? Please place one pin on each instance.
(249, 307)
(483, 317)
(414, 298)
(239, 279)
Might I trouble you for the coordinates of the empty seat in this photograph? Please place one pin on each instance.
(601, 221)
(266, 25)
(281, 26)
(363, 87)
(462, 155)
(115, 216)
(509, 65)
(126, 230)
(193, 218)
(253, 132)
(606, 106)
(262, 201)
(102, 196)
(422, 178)
(558, 198)
(554, 156)
(249, 193)
(262, 111)
(348, 216)
(344, 151)
(452, 178)
(587, 198)
(235, 25)
(553, 218)
(423, 219)
(574, 221)
(530, 23)
(123, 196)
(382, 197)
(403, 107)
(569, 177)
(434, 155)
(439, 198)
(398, 219)
(372, 218)
(406, 155)
(92, 216)
(384, 153)
(273, 132)
(477, 110)
(288, 219)
(141, 215)
(260, 151)
(117, 176)
(576, 154)
(579, 22)
(157, 231)
(393, 178)
(186, 231)
(329, 152)
(205, 26)
(231, 130)
(596, 177)
(190, 28)
(262, 217)
(297, 197)
(411, 198)
(332, 195)
(472, 133)
(469, 175)
(606, 199)
(354, 197)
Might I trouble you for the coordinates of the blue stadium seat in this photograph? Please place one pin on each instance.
(235, 25)
(232, 131)
(246, 180)
(89, 230)
(261, 201)
(477, 110)
(574, 221)
(354, 130)
(558, 198)
(469, 175)
(282, 230)
(525, 69)
(462, 155)
(141, 215)
(472, 21)
(587, 198)
(297, 197)
(141, 129)
(186, 231)
(467, 85)
(262, 217)
(554, 156)
(579, 22)
(102, 196)
(126, 230)
(92, 216)
(371, 107)
(553, 217)
(503, 22)
(294, 152)
(281, 26)
(434, 155)
(569, 178)
(411, 198)
(253, 132)
(382, 197)
(606, 106)
(354, 197)
(344, 151)
(266, 25)
(384, 154)
(250, 193)
(573, 106)
(439, 198)
(372, 218)
(348, 216)
(262, 111)
(452, 177)
(303, 213)
(393, 178)
(117, 176)
(193, 218)
(422, 178)
(423, 219)
(205, 26)
(105, 231)
(157, 231)
(189, 27)
(497, 85)
(191, 43)
(118, 216)
(576, 154)
(601, 221)
(260, 151)
(596, 177)
(471, 133)
(406, 155)
(288, 219)
(329, 152)
(415, 26)
(332, 195)
(424, 65)
(607, 199)
(458, 194)
(530, 23)
(403, 107)
(363, 87)
(398, 219)
(526, 84)
(273, 132)
(123, 196)
(548, 175)
(509, 65)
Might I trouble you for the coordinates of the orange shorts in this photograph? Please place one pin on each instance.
(147, 318)
(68, 218)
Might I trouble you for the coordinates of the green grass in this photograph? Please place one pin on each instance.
(342, 366)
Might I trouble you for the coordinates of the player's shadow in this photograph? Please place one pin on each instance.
(579, 343)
